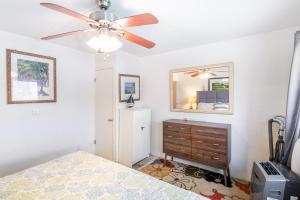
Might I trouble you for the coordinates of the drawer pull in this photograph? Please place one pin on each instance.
(182, 128)
(216, 145)
(180, 138)
(170, 126)
(215, 158)
(170, 136)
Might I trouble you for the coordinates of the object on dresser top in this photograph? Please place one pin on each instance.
(130, 102)
(203, 142)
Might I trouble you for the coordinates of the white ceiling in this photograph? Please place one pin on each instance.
(183, 23)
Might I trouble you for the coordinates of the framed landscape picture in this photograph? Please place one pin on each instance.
(129, 84)
(218, 84)
(31, 78)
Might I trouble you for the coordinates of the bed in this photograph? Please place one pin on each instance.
(82, 175)
(213, 100)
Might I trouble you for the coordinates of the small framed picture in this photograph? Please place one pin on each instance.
(218, 84)
(129, 85)
(31, 78)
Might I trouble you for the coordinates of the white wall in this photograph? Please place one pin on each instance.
(128, 64)
(27, 139)
(261, 73)
(186, 88)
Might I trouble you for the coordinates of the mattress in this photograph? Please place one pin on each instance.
(82, 175)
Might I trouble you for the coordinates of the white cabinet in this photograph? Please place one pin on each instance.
(134, 138)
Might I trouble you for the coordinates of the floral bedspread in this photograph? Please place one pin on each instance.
(83, 175)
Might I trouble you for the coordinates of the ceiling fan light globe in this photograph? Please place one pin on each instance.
(205, 75)
(105, 43)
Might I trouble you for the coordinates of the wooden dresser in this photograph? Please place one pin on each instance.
(203, 142)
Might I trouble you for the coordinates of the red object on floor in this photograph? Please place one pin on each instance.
(215, 196)
(168, 163)
(244, 187)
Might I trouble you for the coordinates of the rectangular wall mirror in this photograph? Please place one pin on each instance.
(205, 89)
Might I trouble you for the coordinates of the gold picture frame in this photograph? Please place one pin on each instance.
(31, 78)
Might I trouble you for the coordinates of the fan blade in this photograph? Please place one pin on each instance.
(195, 74)
(138, 40)
(67, 11)
(137, 20)
(63, 34)
(191, 72)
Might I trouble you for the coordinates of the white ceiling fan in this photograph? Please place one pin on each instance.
(109, 29)
(204, 73)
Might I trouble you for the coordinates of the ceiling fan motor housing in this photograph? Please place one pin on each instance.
(97, 15)
(102, 14)
(103, 17)
(104, 4)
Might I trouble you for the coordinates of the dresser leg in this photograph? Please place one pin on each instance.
(228, 173)
(225, 176)
(172, 158)
(165, 161)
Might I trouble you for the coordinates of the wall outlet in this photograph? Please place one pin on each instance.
(35, 112)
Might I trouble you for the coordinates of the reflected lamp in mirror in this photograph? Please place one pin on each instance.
(206, 89)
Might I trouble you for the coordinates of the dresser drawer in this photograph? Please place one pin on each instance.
(218, 145)
(209, 132)
(177, 138)
(210, 158)
(177, 150)
(181, 128)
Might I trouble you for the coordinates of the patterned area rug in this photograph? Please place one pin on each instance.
(198, 180)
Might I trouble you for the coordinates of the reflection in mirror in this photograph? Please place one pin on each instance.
(202, 89)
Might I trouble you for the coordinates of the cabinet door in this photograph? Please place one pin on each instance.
(126, 137)
(141, 135)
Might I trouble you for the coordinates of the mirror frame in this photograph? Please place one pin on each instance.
(231, 89)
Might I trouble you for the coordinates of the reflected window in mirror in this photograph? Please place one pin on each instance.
(205, 89)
